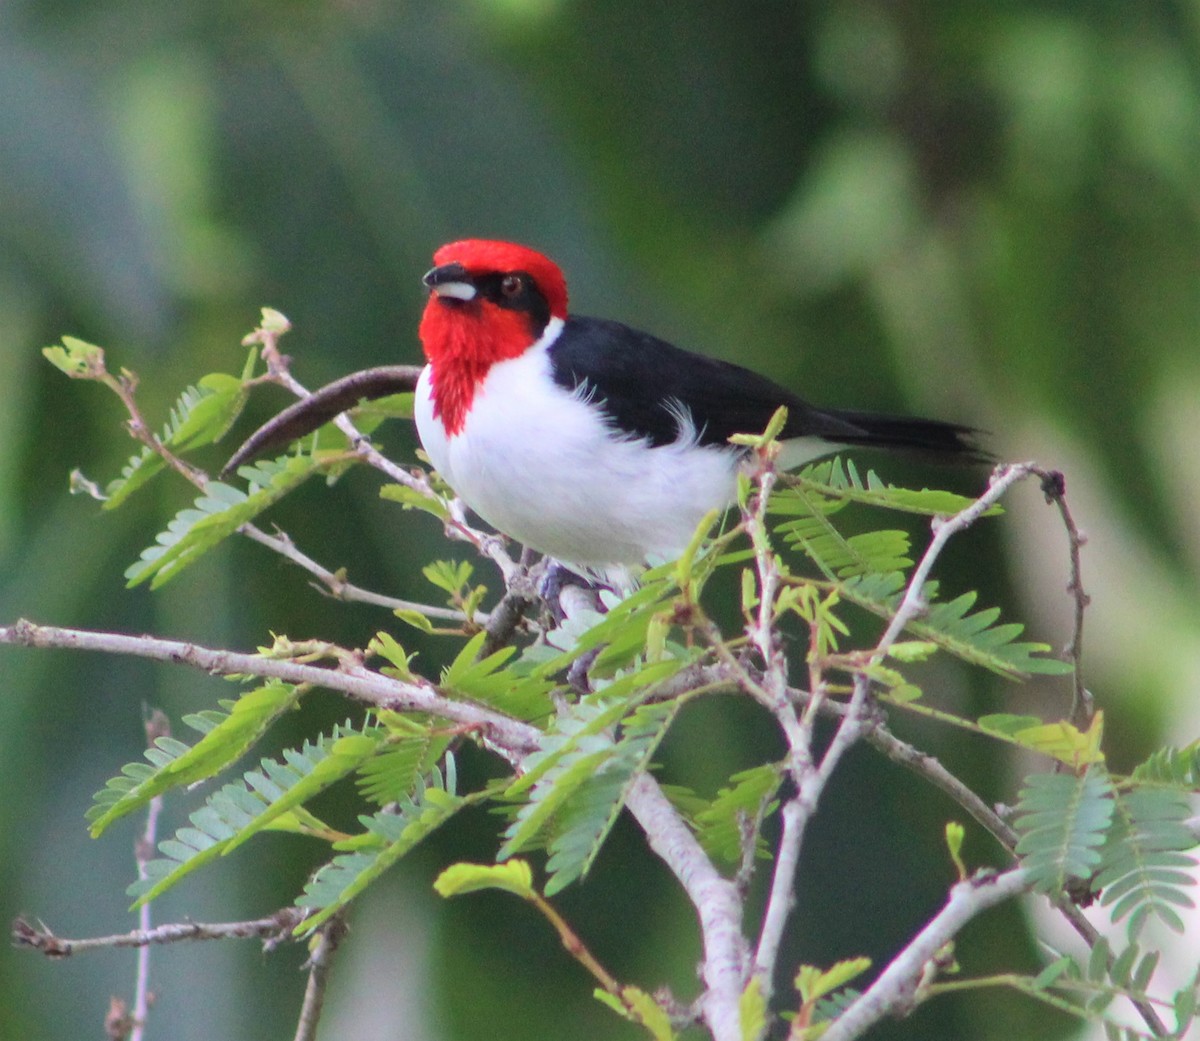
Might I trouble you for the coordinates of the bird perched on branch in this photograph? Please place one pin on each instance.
(592, 442)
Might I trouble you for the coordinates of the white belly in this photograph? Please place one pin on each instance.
(539, 464)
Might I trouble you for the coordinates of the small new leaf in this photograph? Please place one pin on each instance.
(1060, 740)
(752, 1010)
(77, 358)
(513, 876)
(955, 833)
(814, 983)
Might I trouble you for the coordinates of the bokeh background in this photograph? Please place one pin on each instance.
(989, 213)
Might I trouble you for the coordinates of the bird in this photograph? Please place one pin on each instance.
(594, 443)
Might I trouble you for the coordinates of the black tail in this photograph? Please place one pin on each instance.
(930, 438)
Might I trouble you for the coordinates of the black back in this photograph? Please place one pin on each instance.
(636, 378)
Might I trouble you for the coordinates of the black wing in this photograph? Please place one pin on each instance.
(641, 382)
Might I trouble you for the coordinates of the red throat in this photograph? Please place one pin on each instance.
(462, 342)
(463, 339)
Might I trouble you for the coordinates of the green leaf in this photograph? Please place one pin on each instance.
(204, 413)
(1177, 767)
(411, 499)
(1062, 820)
(912, 650)
(638, 1007)
(449, 575)
(955, 833)
(388, 647)
(201, 416)
(177, 764)
(551, 793)
(307, 773)
(970, 637)
(621, 631)
(219, 512)
(412, 617)
(649, 1013)
(267, 798)
(1060, 740)
(395, 771)
(587, 816)
(523, 694)
(749, 798)
(836, 555)
(77, 358)
(841, 483)
(514, 877)
(752, 1010)
(814, 983)
(1144, 870)
(391, 833)
(137, 472)
(1052, 973)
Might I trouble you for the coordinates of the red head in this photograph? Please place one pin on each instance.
(488, 301)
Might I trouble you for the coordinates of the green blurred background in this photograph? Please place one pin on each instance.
(988, 213)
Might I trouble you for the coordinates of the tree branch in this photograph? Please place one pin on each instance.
(274, 927)
(897, 986)
(716, 899)
(330, 939)
(510, 737)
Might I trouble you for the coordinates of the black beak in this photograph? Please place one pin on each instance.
(445, 273)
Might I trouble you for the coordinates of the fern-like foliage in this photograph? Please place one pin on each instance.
(1144, 870)
(589, 813)
(523, 694)
(619, 634)
(399, 763)
(1062, 820)
(838, 481)
(835, 554)
(747, 800)
(220, 511)
(971, 637)
(201, 416)
(580, 741)
(390, 834)
(1091, 989)
(1173, 767)
(271, 797)
(227, 736)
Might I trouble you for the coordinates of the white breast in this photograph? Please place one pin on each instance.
(541, 465)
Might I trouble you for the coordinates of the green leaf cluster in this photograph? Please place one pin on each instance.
(1129, 844)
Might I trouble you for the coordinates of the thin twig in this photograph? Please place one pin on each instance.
(157, 725)
(336, 585)
(913, 604)
(935, 773)
(125, 387)
(510, 737)
(896, 986)
(574, 945)
(320, 963)
(1054, 487)
(273, 927)
(856, 721)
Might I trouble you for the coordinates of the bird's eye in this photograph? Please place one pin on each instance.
(511, 286)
